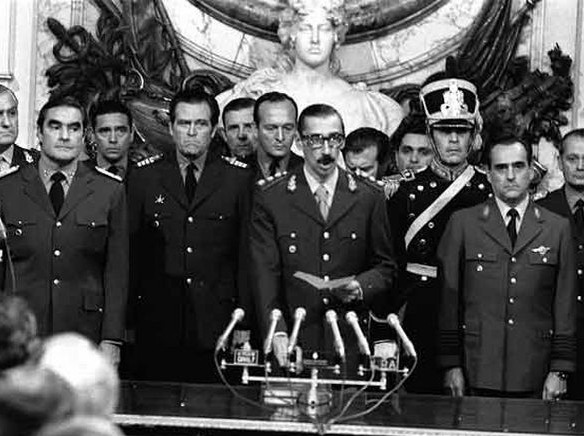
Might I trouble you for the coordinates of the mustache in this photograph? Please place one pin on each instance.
(325, 160)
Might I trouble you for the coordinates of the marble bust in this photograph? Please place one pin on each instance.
(310, 32)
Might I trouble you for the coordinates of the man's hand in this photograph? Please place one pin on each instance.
(350, 292)
(554, 386)
(280, 348)
(111, 351)
(454, 382)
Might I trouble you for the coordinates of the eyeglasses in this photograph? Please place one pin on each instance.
(316, 142)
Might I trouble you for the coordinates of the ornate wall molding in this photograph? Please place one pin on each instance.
(7, 38)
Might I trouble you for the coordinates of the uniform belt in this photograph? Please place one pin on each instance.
(422, 270)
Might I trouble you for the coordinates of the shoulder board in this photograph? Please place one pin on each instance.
(273, 180)
(107, 173)
(370, 181)
(9, 171)
(234, 162)
(149, 160)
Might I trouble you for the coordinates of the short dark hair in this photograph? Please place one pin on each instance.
(103, 107)
(576, 133)
(272, 97)
(65, 100)
(506, 139)
(412, 124)
(18, 331)
(318, 111)
(365, 137)
(194, 96)
(237, 105)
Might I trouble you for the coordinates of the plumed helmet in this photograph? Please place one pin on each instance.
(450, 103)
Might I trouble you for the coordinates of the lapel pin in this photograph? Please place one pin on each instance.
(159, 200)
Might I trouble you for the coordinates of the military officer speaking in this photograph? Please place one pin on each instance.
(67, 232)
(187, 219)
(507, 313)
(320, 220)
(421, 207)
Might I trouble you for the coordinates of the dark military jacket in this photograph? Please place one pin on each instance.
(23, 156)
(508, 314)
(556, 202)
(72, 268)
(288, 234)
(186, 276)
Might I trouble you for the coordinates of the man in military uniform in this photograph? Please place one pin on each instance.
(420, 209)
(275, 116)
(113, 131)
(239, 129)
(319, 219)
(568, 201)
(507, 313)
(187, 219)
(10, 153)
(66, 229)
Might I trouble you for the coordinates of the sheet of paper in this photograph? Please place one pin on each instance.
(320, 283)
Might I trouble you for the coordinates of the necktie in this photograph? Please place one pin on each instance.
(274, 166)
(56, 193)
(321, 198)
(512, 225)
(113, 169)
(579, 218)
(190, 182)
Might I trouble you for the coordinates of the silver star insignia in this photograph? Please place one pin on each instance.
(159, 200)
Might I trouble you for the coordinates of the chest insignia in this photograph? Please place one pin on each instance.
(541, 250)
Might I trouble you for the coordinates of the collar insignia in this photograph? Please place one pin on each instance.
(160, 199)
(27, 157)
(292, 183)
(352, 183)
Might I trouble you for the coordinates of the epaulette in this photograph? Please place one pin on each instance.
(233, 161)
(149, 160)
(539, 195)
(272, 180)
(9, 171)
(107, 173)
(370, 181)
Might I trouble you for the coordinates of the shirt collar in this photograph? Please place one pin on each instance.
(67, 170)
(122, 164)
(572, 196)
(8, 155)
(183, 162)
(520, 208)
(330, 184)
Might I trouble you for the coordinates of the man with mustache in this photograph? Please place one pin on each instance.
(321, 220)
(508, 297)
(187, 216)
(420, 209)
(10, 153)
(568, 201)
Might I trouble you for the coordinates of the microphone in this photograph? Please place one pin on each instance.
(393, 321)
(331, 318)
(236, 316)
(299, 315)
(275, 316)
(353, 321)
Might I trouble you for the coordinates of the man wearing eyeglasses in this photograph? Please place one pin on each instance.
(321, 220)
(420, 209)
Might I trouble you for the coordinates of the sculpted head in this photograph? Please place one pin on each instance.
(310, 30)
